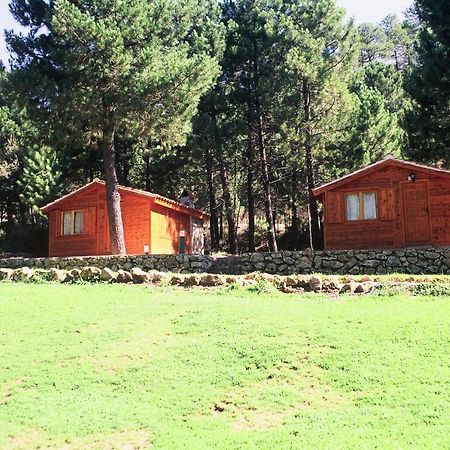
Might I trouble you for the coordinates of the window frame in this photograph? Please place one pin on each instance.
(72, 213)
(360, 194)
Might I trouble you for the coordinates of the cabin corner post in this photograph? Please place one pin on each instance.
(51, 231)
(150, 237)
(97, 252)
(323, 199)
(191, 233)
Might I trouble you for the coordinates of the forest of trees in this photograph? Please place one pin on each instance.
(248, 103)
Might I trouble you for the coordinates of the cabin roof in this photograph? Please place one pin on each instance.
(390, 161)
(159, 199)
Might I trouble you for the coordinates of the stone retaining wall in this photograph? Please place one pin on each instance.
(163, 263)
(354, 262)
(363, 262)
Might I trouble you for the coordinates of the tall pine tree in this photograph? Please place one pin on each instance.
(320, 55)
(429, 84)
(105, 65)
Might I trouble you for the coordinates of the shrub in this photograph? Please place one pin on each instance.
(431, 290)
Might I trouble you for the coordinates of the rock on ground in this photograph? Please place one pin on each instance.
(124, 277)
(22, 274)
(57, 275)
(139, 276)
(6, 274)
(108, 275)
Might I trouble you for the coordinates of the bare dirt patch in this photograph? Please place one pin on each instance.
(270, 402)
(30, 439)
(120, 440)
(146, 342)
(7, 389)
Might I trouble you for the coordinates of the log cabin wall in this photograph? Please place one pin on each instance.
(409, 213)
(136, 223)
(145, 223)
(166, 224)
(76, 244)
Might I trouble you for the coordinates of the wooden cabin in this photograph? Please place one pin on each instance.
(78, 223)
(389, 204)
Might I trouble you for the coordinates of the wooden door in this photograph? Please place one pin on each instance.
(416, 213)
(163, 236)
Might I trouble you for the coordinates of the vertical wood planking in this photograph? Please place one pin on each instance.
(387, 204)
(145, 222)
(396, 219)
(334, 212)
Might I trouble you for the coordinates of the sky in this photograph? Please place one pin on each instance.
(373, 10)
(360, 10)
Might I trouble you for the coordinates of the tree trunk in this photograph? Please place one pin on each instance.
(221, 224)
(229, 211)
(122, 161)
(125, 170)
(10, 214)
(313, 213)
(273, 247)
(112, 192)
(295, 220)
(271, 235)
(250, 196)
(147, 171)
(227, 201)
(397, 62)
(213, 221)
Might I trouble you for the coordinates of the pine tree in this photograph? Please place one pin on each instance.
(39, 181)
(374, 45)
(251, 70)
(380, 105)
(319, 60)
(428, 124)
(400, 37)
(105, 65)
(18, 134)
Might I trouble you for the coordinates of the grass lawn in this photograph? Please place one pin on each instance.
(118, 366)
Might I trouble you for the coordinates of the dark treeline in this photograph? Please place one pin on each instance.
(248, 103)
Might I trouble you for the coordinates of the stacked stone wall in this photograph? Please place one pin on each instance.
(162, 263)
(354, 262)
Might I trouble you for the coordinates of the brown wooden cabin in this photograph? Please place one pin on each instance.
(78, 223)
(389, 204)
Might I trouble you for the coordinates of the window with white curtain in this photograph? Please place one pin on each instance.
(361, 206)
(72, 222)
(353, 207)
(370, 205)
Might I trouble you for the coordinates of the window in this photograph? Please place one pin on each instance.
(72, 222)
(361, 206)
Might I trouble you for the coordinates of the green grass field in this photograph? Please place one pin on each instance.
(117, 366)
